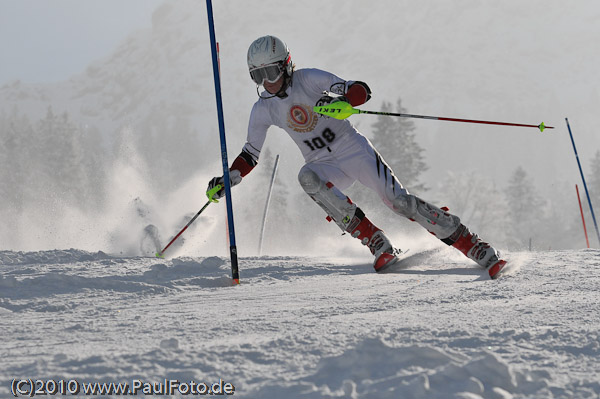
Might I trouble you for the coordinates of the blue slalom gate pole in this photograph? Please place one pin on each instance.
(215, 62)
(583, 178)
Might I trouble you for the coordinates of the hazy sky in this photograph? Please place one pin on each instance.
(50, 40)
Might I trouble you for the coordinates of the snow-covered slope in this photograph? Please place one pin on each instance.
(306, 327)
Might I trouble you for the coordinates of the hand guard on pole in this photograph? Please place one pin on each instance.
(326, 100)
(213, 195)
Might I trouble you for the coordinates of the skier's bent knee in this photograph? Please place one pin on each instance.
(310, 181)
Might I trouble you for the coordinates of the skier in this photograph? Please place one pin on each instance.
(336, 155)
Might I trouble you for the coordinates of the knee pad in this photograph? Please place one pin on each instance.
(310, 181)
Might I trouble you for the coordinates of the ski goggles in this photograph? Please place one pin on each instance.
(271, 73)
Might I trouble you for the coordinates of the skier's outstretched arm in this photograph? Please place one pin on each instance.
(241, 166)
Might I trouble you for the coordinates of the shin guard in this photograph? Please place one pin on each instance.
(336, 205)
(437, 221)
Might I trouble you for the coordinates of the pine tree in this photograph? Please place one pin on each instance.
(95, 163)
(15, 160)
(566, 216)
(594, 183)
(395, 140)
(477, 201)
(526, 211)
(163, 142)
(59, 159)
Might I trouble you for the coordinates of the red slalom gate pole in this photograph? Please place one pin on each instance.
(582, 218)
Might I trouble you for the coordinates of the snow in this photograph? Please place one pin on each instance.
(435, 326)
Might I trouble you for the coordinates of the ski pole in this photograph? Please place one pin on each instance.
(342, 110)
(210, 194)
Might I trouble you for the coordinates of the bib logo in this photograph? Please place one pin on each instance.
(302, 119)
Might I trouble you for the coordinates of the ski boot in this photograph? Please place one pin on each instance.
(385, 254)
(377, 242)
(477, 250)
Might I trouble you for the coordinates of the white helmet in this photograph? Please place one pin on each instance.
(268, 59)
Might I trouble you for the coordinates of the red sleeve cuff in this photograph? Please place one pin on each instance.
(241, 165)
